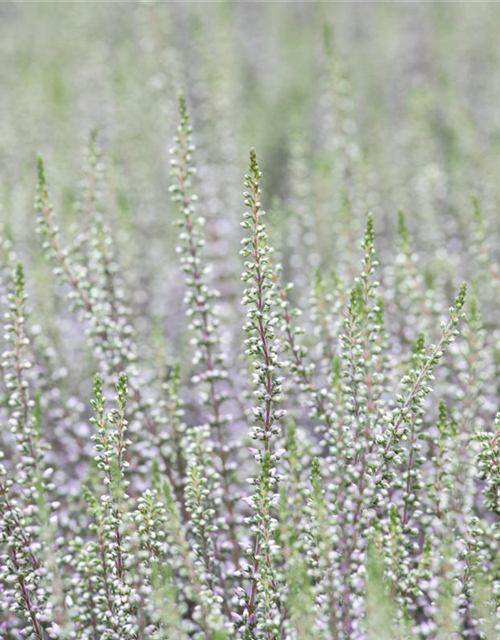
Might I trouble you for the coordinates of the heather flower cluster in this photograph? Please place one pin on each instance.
(251, 412)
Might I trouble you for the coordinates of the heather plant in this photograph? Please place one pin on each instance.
(226, 425)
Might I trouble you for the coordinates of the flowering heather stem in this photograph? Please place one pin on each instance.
(110, 458)
(412, 403)
(261, 345)
(198, 303)
(51, 233)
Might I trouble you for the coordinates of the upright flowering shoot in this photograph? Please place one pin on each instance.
(262, 604)
(208, 358)
(22, 501)
(111, 444)
(63, 264)
(402, 420)
(22, 420)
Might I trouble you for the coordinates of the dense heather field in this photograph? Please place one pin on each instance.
(191, 447)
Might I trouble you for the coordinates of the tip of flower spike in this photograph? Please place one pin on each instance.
(318, 277)
(369, 229)
(183, 110)
(474, 314)
(254, 167)
(155, 475)
(176, 369)
(291, 443)
(460, 299)
(478, 212)
(19, 278)
(121, 385)
(402, 228)
(316, 478)
(92, 144)
(443, 411)
(315, 468)
(418, 345)
(97, 385)
(443, 422)
(40, 170)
